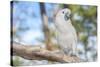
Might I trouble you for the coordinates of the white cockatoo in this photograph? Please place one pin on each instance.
(67, 37)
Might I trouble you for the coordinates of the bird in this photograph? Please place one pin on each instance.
(67, 36)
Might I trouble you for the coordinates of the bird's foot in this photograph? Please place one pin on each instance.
(61, 53)
(73, 55)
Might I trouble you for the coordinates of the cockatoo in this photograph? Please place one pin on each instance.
(67, 37)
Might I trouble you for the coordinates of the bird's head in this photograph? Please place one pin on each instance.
(64, 14)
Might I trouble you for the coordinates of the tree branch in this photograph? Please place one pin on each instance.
(38, 53)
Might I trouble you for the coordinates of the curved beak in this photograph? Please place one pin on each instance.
(67, 16)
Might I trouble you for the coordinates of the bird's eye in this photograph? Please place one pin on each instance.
(63, 12)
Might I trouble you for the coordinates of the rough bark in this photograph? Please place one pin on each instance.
(38, 53)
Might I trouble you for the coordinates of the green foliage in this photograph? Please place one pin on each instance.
(84, 39)
(16, 61)
(87, 14)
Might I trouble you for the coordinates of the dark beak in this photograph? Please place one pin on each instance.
(67, 16)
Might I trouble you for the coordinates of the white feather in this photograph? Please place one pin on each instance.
(67, 38)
